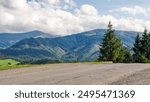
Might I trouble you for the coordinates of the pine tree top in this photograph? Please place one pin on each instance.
(110, 25)
(145, 31)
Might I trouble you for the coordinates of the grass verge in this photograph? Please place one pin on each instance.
(13, 67)
(104, 62)
(6, 62)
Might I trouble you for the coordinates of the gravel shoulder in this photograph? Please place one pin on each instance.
(78, 74)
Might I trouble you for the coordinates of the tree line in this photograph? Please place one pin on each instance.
(112, 49)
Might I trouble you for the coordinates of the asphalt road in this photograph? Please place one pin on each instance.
(78, 74)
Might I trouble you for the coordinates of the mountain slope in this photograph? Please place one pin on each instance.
(9, 39)
(77, 47)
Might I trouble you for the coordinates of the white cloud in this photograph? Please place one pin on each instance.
(136, 10)
(52, 2)
(88, 10)
(70, 2)
(51, 16)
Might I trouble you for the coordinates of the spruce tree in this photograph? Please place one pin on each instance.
(111, 46)
(137, 56)
(145, 43)
(148, 53)
(125, 56)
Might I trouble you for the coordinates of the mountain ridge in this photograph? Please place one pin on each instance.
(9, 39)
(71, 48)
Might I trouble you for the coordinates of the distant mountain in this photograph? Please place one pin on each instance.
(9, 39)
(77, 47)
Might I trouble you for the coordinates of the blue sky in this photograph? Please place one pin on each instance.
(111, 4)
(105, 5)
(73, 16)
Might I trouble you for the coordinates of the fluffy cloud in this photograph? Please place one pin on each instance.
(53, 2)
(88, 10)
(58, 17)
(136, 10)
(69, 3)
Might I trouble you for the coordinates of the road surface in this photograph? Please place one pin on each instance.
(78, 74)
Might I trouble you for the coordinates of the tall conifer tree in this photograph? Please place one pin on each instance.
(137, 50)
(145, 41)
(148, 53)
(111, 46)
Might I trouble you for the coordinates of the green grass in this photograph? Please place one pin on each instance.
(9, 67)
(9, 62)
(103, 62)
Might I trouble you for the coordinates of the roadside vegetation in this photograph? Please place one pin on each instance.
(13, 67)
(112, 48)
(7, 64)
(103, 62)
